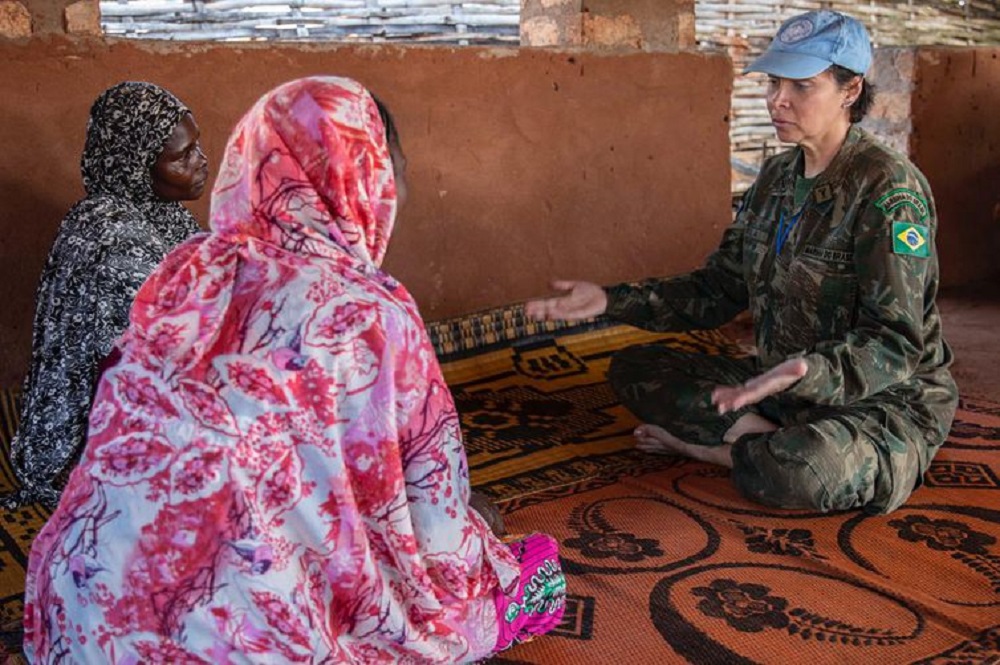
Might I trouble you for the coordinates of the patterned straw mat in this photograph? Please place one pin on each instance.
(666, 563)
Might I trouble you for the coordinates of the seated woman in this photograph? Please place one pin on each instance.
(832, 250)
(142, 157)
(275, 469)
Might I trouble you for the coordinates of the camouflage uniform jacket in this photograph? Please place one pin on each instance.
(852, 290)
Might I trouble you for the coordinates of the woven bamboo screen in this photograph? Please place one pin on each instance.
(479, 22)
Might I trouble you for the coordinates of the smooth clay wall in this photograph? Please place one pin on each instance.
(956, 143)
(523, 164)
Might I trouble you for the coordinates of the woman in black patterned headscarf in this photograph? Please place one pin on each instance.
(142, 157)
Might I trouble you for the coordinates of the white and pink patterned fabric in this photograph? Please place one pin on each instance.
(275, 471)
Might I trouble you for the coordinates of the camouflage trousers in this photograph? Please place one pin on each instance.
(821, 458)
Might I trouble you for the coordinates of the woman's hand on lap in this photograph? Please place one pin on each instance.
(489, 512)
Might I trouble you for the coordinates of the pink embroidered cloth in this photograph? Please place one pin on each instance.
(275, 470)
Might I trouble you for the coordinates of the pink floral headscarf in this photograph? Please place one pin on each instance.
(275, 466)
(309, 163)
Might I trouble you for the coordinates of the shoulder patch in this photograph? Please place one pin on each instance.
(910, 239)
(903, 197)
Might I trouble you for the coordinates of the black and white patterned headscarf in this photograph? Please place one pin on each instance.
(106, 247)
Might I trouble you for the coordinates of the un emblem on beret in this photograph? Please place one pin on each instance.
(796, 31)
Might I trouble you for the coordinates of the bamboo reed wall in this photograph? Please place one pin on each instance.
(430, 21)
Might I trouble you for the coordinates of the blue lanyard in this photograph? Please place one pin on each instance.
(784, 230)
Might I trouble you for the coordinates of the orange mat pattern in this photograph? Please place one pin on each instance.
(666, 563)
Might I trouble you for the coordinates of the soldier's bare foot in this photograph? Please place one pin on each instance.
(656, 440)
(748, 423)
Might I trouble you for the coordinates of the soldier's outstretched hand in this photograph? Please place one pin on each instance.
(775, 380)
(579, 300)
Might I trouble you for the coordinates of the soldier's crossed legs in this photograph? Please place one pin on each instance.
(821, 458)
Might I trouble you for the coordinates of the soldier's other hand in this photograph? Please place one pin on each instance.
(775, 380)
(579, 300)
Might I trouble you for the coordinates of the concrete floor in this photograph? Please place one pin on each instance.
(971, 319)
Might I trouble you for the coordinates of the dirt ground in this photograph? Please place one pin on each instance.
(971, 316)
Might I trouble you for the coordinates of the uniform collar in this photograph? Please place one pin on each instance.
(825, 185)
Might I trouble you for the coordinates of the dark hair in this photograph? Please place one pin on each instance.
(391, 134)
(863, 104)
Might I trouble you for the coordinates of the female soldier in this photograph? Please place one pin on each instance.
(832, 251)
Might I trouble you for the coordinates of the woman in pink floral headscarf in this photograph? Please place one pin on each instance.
(275, 471)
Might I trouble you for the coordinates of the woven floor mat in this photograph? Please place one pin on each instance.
(665, 561)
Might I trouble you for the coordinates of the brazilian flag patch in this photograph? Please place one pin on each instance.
(910, 239)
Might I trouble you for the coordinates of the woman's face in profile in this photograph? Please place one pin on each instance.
(181, 170)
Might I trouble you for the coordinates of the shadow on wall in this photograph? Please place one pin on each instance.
(988, 180)
(956, 140)
(31, 218)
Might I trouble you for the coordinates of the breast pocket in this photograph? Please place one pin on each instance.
(822, 291)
